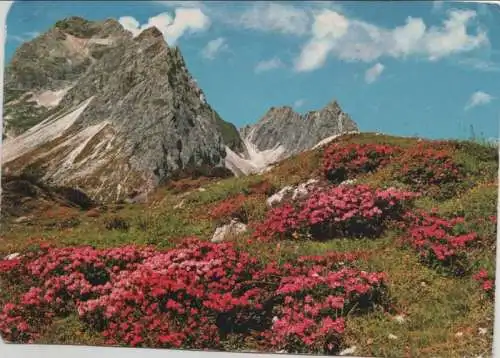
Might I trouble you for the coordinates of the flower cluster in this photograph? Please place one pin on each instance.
(439, 241)
(343, 161)
(231, 208)
(337, 211)
(192, 296)
(424, 166)
(486, 281)
(315, 293)
(58, 279)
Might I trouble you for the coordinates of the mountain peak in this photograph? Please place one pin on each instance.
(150, 32)
(128, 111)
(282, 126)
(333, 104)
(77, 26)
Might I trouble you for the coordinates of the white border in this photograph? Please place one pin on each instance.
(60, 351)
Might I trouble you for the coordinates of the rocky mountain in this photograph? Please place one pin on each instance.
(282, 132)
(93, 107)
(88, 105)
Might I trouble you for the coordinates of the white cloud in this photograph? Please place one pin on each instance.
(329, 24)
(286, 19)
(374, 72)
(478, 98)
(480, 64)
(186, 20)
(269, 65)
(214, 47)
(354, 40)
(488, 2)
(299, 103)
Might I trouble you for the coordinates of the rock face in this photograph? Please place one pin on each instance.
(282, 133)
(295, 132)
(108, 113)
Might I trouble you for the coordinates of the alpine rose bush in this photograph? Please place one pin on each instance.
(337, 211)
(486, 281)
(425, 166)
(440, 242)
(193, 296)
(315, 293)
(343, 161)
(230, 208)
(58, 279)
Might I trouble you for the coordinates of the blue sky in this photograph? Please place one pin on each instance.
(406, 68)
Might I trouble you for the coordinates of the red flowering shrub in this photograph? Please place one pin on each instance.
(315, 293)
(9, 265)
(343, 161)
(336, 211)
(424, 166)
(192, 296)
(486, 281)
(262, 187)
(228, 209)
(440, 242)
(58, 280)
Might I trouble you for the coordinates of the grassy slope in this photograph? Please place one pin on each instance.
(436, 307)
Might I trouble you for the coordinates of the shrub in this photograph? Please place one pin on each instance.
(337, 211)
(263, 187)
(440, 242)
(117, 223)
(193, 296)
(232, 208)
(343, 161)
(429, 170)
(487, 282)
(76, 197)
(239, 207)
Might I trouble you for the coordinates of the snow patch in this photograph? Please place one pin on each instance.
(256, 161)
(331, 138)
(80, 140)
(49, 98)
(107, 41)
(42, 133)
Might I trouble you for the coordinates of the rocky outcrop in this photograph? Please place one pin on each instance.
(282, 133)
(127, 112)
(282, 126)
(228, 231)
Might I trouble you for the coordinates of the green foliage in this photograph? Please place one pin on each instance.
(229, 133)
(222, 189)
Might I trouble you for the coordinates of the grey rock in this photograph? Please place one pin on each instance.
(296, 132)
(12, 256)
(232, 229)
(293, 193)
(143, 119)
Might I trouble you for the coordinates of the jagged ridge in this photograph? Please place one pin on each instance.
(128, 112)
